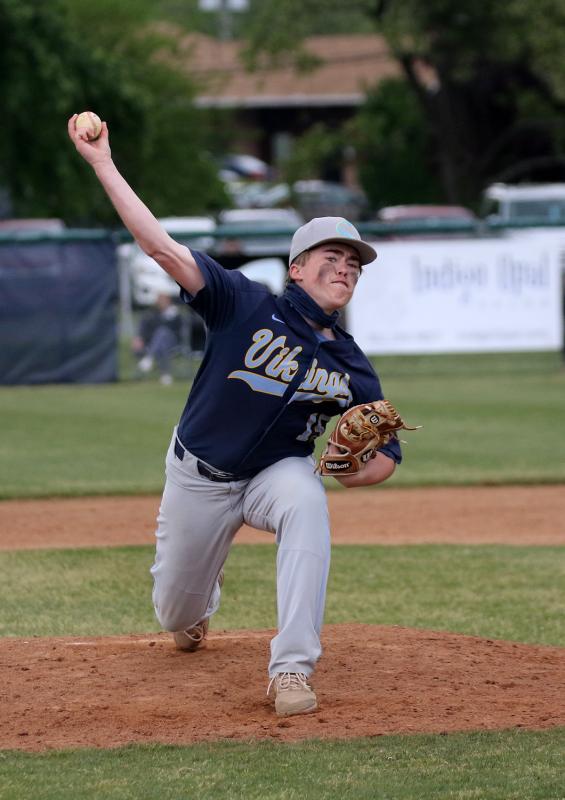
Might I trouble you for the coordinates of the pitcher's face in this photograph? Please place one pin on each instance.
(329, 274)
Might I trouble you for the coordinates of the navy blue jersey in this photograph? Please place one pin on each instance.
(267, 385)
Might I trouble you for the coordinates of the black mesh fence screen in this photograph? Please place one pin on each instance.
(58, 311)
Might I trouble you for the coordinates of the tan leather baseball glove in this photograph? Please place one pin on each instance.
(359, 433)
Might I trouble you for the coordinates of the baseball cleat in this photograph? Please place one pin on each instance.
(191, 639)
(293, 695)
(146, 364)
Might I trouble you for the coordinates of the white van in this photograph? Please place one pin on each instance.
(525, 204)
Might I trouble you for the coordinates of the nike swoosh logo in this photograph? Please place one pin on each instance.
(277, 319)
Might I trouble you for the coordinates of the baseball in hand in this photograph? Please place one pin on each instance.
(89, 125)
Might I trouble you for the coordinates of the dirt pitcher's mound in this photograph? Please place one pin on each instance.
(372, 680)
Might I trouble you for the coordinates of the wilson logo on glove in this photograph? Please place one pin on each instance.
(359, 433)
(337, 466)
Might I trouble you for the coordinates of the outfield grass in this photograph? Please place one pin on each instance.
(511, 765)
(80, 440)
(486, 420)
(493, 591)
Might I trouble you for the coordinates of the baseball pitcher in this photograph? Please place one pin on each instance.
(275, 371)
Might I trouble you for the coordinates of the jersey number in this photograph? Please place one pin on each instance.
(315, 426)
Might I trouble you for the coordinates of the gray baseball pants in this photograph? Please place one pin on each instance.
(197, 522)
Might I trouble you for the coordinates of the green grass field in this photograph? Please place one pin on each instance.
(488, 419)
(513, 593)
(514, 765)
(493, 591)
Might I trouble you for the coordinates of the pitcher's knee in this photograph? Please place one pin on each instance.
(176, 610)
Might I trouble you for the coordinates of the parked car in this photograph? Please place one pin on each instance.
(258, 194)
(256, 231)
(525, 204)
(32, 225)
(147, 278)
(241, 165)
(428, 220)
(425, 213)
(316, 198)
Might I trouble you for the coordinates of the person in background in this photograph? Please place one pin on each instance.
(159, 334)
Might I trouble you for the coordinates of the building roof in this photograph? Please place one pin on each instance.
(348, 66)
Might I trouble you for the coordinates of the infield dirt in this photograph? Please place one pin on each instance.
(372, 680)
(521, 515)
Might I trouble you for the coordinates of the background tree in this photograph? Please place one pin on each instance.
(64, 56)
(395, 153)
(488, 78)
(486, 102)
(316, 153)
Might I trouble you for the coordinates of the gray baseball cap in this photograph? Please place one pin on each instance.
(330, 229)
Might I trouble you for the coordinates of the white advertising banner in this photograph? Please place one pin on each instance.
(462, 295)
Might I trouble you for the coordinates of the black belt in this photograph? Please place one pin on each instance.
(215, 474)
(206, 471)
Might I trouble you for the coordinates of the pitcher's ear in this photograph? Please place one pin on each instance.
(293, 270)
